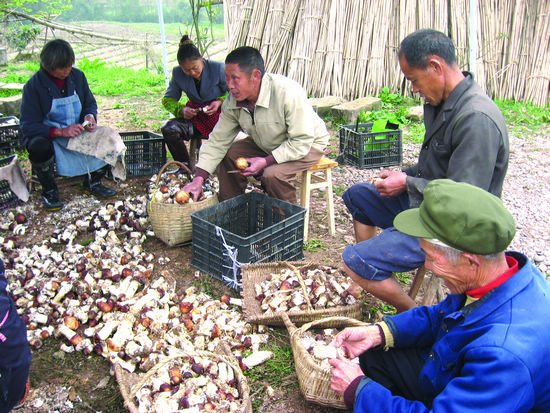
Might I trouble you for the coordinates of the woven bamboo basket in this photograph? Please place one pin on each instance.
(172, 222)
(314, 380)
(130, 383)
(255, 273)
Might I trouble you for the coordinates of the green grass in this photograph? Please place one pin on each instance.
(277, 372)
(403, 277)
(110, 80)
(4, 93)
(523, 117)
(314, 245)
(339, 189)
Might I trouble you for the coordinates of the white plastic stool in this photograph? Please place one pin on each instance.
(319, 176)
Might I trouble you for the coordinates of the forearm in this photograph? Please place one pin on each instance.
(173, 106)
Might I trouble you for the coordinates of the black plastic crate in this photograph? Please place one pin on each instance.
(7, 198)
(257, 228)
(145, 153)
(10, 136)
(365, 149)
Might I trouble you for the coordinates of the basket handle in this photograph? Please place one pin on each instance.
(181, 165)
(314, 323)
(288, 324)
(301, 281)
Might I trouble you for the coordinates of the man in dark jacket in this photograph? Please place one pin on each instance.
(465, 140)
(481, 349)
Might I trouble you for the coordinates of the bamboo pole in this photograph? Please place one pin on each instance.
(275, 15)
(257, 23)
(348, 48)
(276, 62)
(305, 39)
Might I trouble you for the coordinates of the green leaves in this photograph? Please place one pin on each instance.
(20, 35)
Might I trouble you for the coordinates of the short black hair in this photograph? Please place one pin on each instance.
(56, 54)
(248, 59)
(187, 50)
(417, 48)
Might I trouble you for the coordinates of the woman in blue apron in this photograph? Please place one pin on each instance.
(58, 105)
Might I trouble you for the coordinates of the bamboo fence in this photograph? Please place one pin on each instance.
(348, 48)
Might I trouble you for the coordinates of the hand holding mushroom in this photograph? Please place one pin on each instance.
(343, 373)
(255, 166)
(194, 187)
(357, 340)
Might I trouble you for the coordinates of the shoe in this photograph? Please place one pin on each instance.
(50, 194)
(51, 200)
(92, 184)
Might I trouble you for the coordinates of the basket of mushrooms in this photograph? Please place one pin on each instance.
(187, 379)
(170, 206)
(305, 291)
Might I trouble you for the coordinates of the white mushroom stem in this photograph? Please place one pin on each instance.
(63, 291)
(123, 333)
(69, 334)
(107, 329)
(257, 358)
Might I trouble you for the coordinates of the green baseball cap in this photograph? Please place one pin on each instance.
(461, 216)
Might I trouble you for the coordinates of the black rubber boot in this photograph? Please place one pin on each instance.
(50, 193)
(92, 184)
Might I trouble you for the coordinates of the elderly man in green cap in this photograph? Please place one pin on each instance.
(483, 348)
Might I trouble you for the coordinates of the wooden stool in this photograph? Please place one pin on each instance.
(433, 294)
(194, 146)
(319, 176)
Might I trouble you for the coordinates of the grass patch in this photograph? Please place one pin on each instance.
(523, 117)
(403, 277)
(5, 93)
(277, 372)
(111, 80)
(314, 245)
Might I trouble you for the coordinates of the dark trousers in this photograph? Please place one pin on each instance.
(277, 179)
(13, 383)
(175, 132)
(398, 370)
(40, 149)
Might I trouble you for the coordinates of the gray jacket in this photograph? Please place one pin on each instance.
(466, 141)
(212, 83)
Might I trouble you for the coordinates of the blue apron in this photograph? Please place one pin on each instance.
(65, 112)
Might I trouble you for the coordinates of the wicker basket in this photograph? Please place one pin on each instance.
(172, 222)
(255, 273)
(313, 379)
(130, 383)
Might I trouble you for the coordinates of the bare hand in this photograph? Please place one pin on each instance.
(343, 373)
(391, 183)
(255, 166)
(70, 131)
(357, 340)
(213, 107)
(194, 187)
(188, 113)
(91, 123)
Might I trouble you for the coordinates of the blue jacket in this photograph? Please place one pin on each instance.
(38, 94)
(14, 347)
(489, 356)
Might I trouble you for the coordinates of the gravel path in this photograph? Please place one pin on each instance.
(526, 194)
